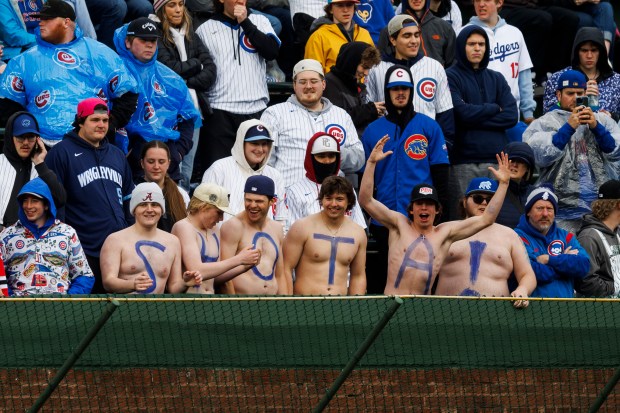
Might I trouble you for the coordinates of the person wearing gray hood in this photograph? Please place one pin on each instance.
(598, 235)
(249, 157)
(295, 121)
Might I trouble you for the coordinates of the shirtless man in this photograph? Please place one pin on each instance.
(142, 258)
(417, 248)
(252, 227)
(322, 248)
(200, 238)
(491, 255)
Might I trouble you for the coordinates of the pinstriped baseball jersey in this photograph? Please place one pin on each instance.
(301, 201)
(241, 84)
(431, 93)
(292, 126)
(509, 54)
(226, 172)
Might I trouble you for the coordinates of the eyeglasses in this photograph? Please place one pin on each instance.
(478, 199)
(29, 138)
(304, 82)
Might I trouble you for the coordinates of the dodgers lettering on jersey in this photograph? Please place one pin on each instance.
(430, 85)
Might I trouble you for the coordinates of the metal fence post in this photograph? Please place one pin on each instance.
(346, 371)
(73, 358)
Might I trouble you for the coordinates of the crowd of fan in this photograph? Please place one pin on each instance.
(133, 128)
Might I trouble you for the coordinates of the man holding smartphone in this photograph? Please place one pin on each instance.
(575, 149)
(21, 161)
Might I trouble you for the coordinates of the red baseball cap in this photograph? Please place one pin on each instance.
(87, 107)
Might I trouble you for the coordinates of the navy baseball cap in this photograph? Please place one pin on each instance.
(257, 133)
(25, 123)
(260, 185)
(486, 185)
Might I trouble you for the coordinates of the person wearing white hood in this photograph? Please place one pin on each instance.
(249, 156)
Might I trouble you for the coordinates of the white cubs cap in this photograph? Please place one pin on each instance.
(400, 77)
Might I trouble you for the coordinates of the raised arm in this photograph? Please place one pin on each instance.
(376, 209)
(466, 228)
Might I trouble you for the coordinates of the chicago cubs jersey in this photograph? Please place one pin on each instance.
(431, 94)
(241, 83)
(417, 147)
(292, 126)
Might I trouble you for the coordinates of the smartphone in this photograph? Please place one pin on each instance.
(36, 149)
(582, 101)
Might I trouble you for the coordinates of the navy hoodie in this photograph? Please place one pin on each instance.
(98, 181)
(483, 106)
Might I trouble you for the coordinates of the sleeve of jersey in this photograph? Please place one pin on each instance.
(437, 145)
(12, 82)
(281, 211)
(353, 150)
(371, 86)
(443, 100)
(262, 37)
(292, 205)
(270, 119)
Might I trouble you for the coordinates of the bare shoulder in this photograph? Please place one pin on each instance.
(300, 228)
(167, 238)
(354, 229)
(276, 228)
(182, 228)
(232, 225)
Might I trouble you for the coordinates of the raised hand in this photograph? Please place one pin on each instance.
(377, 153)
(502, 173)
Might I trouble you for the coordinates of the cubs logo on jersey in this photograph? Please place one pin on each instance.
(44, 100)
(416, 147)
(17, 84)
(158, 87)
(337, 132)
(148, 112)
(364, 12)
(246, 44)
(426, 89)
(66, 59)
(19, 244)
(113, 83)
(555, 247)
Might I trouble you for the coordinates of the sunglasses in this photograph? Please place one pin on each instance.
(29, 138)
(478, 199)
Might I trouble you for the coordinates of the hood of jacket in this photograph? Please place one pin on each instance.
(120, 35)
(9, 146)
(348, 59)
(594, 35)
(500, 22)
(318, 22)
(77, 33)
(238, 152)
(408, 113)
(308, 165)
(461, 40)
(590, 222)
(39, 187)
(408, 10)
(327, 105)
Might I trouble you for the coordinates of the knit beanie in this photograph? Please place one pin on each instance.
(541, 193)
(158, 4)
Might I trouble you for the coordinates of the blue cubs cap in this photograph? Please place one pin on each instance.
(486, 185)
(572, 78)
(400, 77)
(25, 123)
(260, 185)
(257, 133)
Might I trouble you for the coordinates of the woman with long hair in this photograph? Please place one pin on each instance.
(181, 50)
(155, 161)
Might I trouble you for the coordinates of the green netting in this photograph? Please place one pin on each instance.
(256, 354)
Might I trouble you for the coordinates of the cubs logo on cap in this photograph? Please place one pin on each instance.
(400, 77)
(485, 185)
